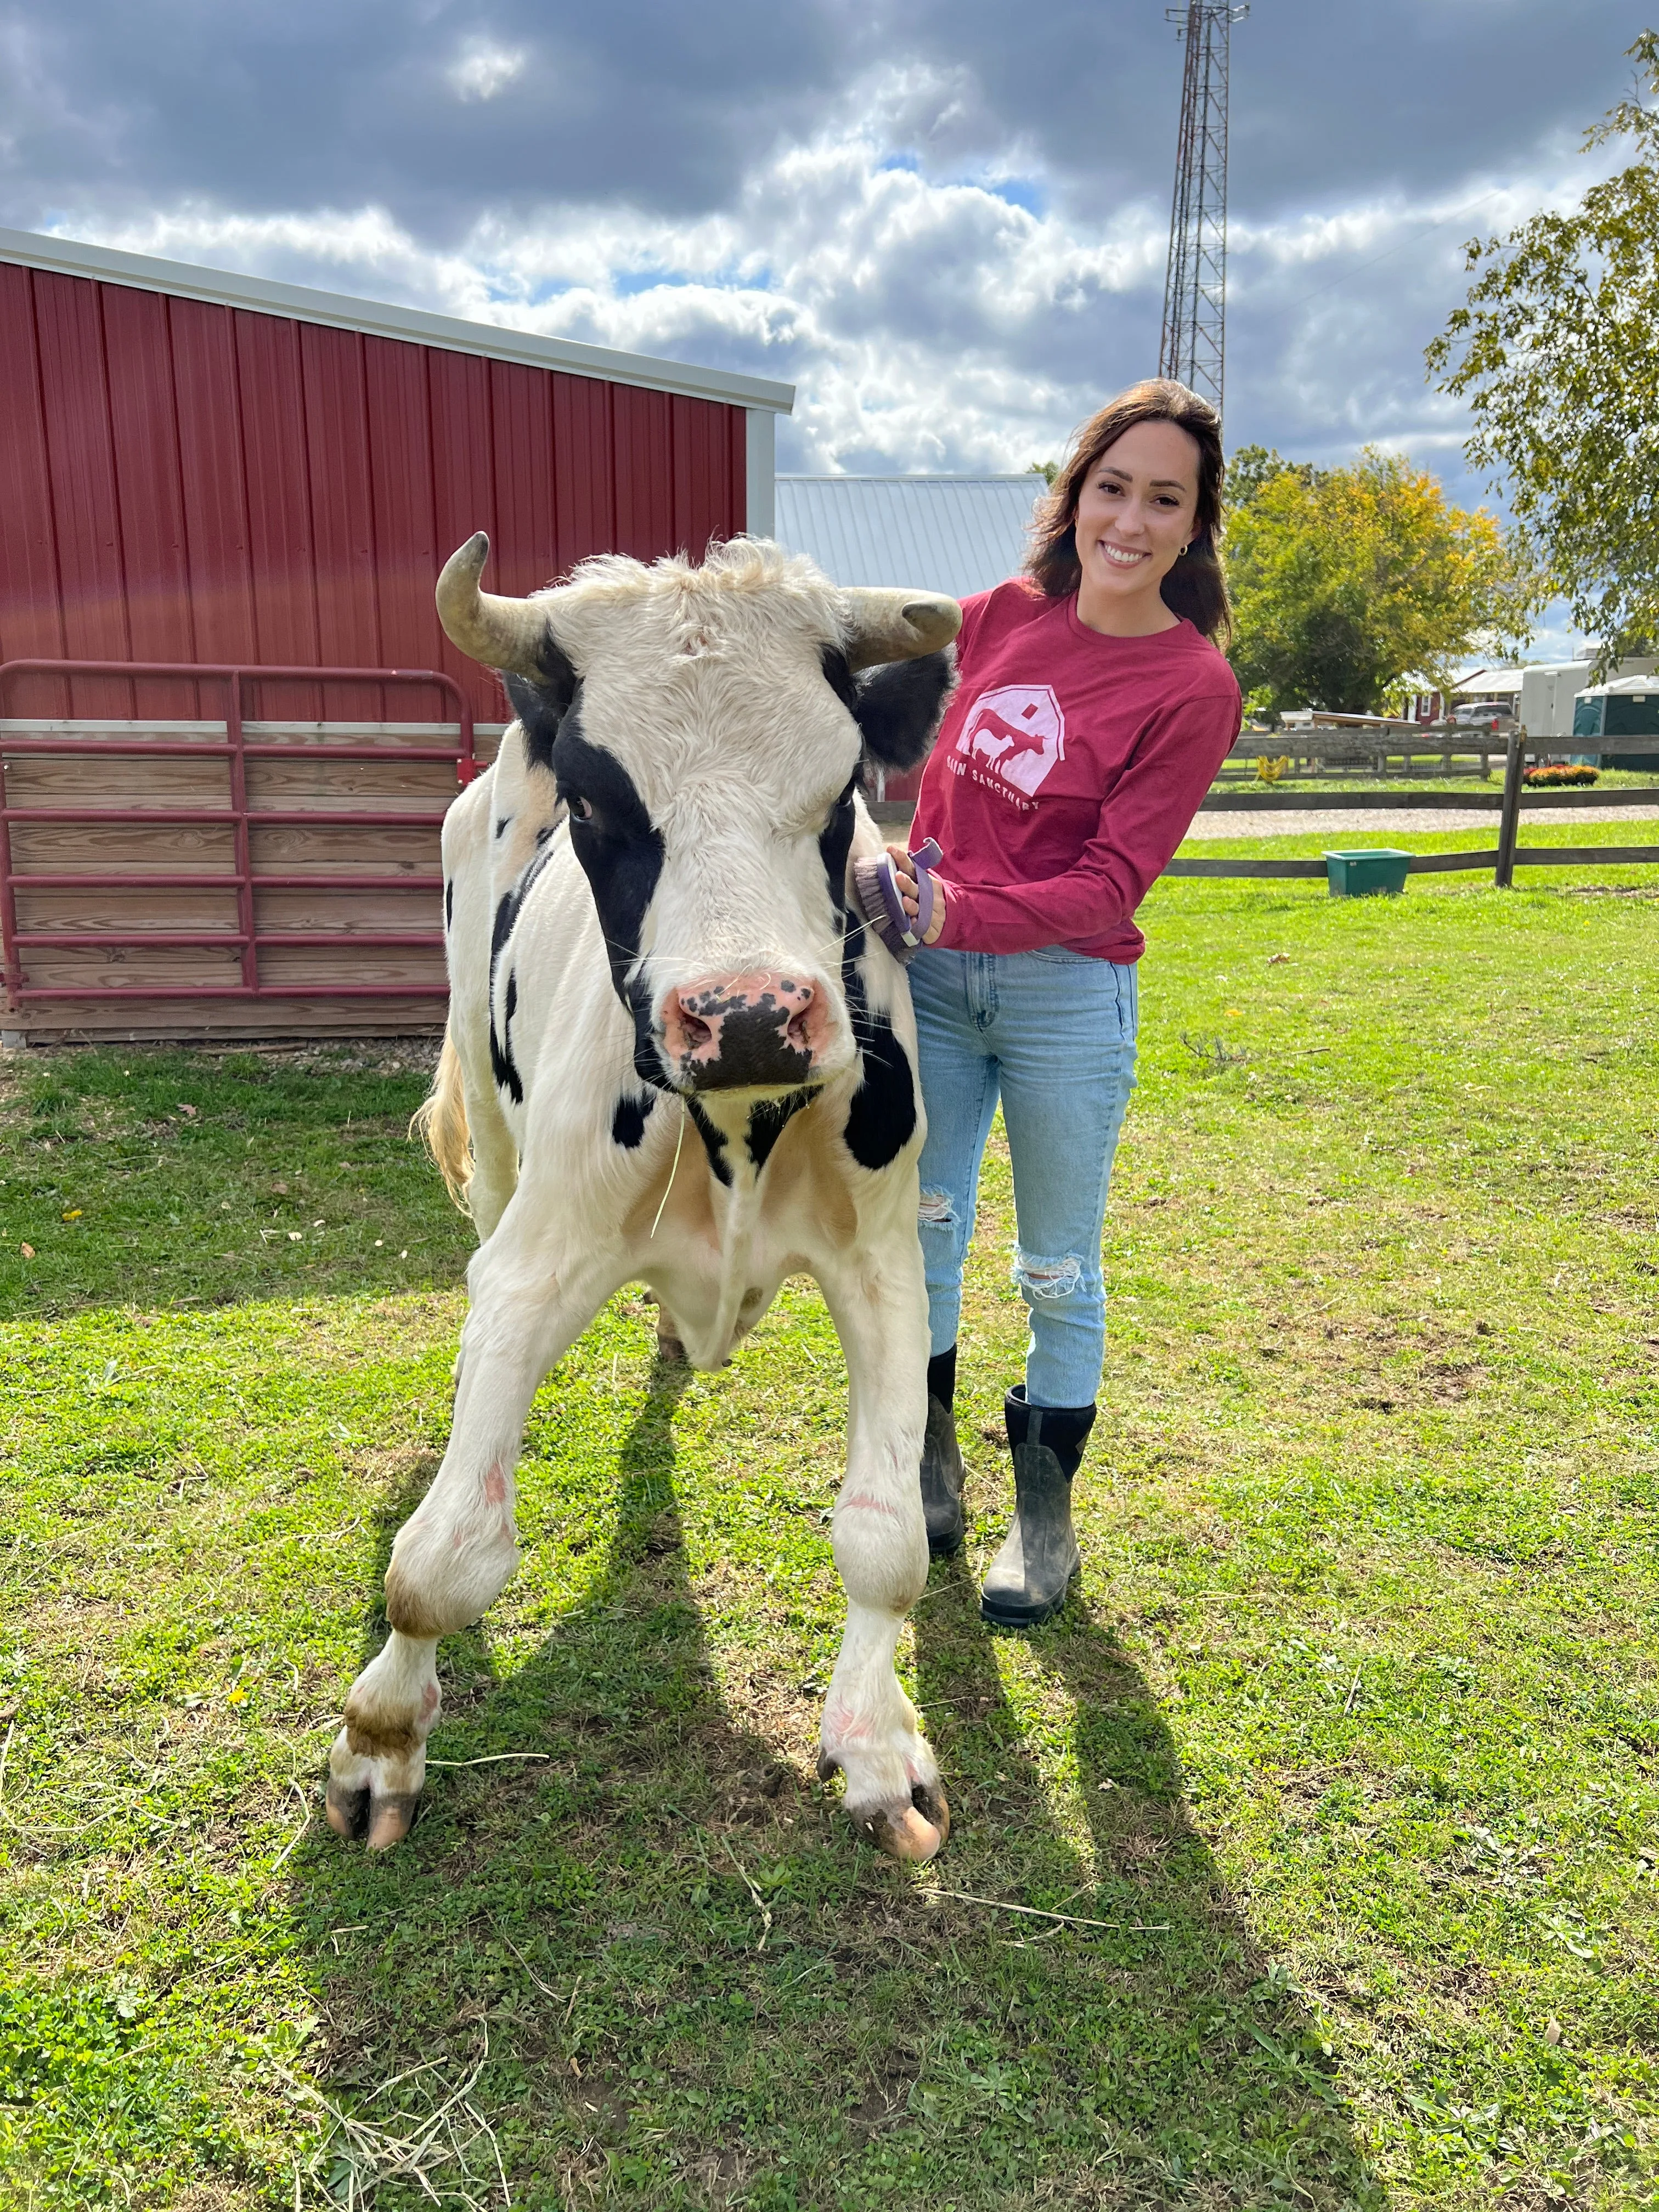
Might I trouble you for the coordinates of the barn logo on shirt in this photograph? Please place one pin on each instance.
(1017, 732)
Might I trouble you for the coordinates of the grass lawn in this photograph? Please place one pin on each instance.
(1343, 1765)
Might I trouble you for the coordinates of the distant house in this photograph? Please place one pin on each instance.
(955, 534)
(1540, 695)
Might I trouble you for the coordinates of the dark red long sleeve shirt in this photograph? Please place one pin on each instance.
(1068, 768)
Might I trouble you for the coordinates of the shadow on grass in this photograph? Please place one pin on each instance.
(1204, 2074)
(652, 1966)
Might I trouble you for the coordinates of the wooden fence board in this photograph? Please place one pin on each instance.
(106, 895)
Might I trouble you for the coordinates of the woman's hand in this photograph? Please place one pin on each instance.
(904, 868)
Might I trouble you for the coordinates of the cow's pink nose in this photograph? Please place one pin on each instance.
(732, 1031)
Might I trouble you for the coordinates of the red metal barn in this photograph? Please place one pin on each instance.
(204, 473)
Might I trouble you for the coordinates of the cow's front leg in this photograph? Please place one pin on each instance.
(870, 1727)
(459, 1548)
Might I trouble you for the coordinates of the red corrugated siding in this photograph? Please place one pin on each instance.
(179, 480)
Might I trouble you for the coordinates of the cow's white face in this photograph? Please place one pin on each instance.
(705, 732)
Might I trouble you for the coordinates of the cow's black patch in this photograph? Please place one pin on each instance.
(768, 1122)
(882, 1118)
(835, 844)
(839, 677)
(628, 1122)
(510, 904)
(507, 909)
(501, 1064)
(449, 903)
(503, 825)
(898, 706)
(541, 703)
(713, 1143)
(621, 852)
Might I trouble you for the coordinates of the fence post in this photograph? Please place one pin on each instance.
(1509, 822)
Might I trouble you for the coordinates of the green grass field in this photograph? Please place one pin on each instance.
(1340, 1776)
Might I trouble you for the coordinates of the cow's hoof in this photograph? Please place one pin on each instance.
(914, 1832)
(390, 1819)
(920, 1831)
(347, 1811)
(361, 1817)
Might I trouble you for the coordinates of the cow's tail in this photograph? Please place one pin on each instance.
(439, 1122)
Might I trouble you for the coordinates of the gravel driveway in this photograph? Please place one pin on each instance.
(1396, 820)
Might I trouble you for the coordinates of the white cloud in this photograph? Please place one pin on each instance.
(929, 320)
(482, 69)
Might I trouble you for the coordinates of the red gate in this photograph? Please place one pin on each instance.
(263, 974)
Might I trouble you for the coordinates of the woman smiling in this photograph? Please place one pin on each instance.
(1093, 711)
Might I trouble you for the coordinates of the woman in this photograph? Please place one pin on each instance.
(1093, 711)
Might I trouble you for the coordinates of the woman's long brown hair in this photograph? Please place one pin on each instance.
(1197, 585)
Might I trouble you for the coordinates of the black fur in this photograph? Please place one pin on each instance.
(503, 825)
(899, 707)
(501, 1064)
(621, 852)
(839, 677)
(713, 1143)
(768, 1122)
(507, 909)
(835, 844)
(542, 703)
(627, 1122)
(882, 1118)
(449, 904)
(508, 906)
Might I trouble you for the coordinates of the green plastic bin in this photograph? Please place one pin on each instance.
(1363, 875)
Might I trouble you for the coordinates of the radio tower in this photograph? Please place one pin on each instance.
(1194, 343)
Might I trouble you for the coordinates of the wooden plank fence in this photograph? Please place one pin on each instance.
(1503, 859)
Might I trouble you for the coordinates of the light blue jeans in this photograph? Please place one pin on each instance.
(1052, 1034)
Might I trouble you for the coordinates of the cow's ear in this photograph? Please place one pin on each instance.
(541, 702)
(899, 707)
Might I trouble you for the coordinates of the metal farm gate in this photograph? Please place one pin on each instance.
(225, 877)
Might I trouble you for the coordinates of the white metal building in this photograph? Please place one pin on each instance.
(953, 534)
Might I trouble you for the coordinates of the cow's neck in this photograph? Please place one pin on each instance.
(726, 1122)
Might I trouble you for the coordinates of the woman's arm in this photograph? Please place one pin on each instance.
(1150, 811)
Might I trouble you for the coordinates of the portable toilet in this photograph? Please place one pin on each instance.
(1628, 706)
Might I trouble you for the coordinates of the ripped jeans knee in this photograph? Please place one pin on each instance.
(1042, 1281)
(935, 1210)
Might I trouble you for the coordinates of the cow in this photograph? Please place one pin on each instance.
(676, 1055)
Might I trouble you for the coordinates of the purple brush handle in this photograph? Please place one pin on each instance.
(909, 933)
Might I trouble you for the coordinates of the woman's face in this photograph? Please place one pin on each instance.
(1135, 515)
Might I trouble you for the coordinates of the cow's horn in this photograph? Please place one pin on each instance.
(506, 634)
(887, 625)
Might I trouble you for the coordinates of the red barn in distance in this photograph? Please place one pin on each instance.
(198, 468)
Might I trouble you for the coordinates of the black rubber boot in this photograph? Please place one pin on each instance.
(941, 1460)
(1032, 1573)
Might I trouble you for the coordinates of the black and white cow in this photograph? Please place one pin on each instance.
(676, 1056)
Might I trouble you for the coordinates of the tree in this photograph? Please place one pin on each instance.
(1556, 353)
(1344, 581)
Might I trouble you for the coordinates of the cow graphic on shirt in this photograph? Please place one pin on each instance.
(1019, 731)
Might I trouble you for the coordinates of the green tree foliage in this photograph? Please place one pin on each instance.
(1344, 581)
(1557, 352)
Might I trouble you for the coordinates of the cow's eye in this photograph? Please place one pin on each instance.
(582, 809)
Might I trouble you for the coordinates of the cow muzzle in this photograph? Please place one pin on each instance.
(759, 1031)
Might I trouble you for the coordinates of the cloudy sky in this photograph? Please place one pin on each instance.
(947, 224)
